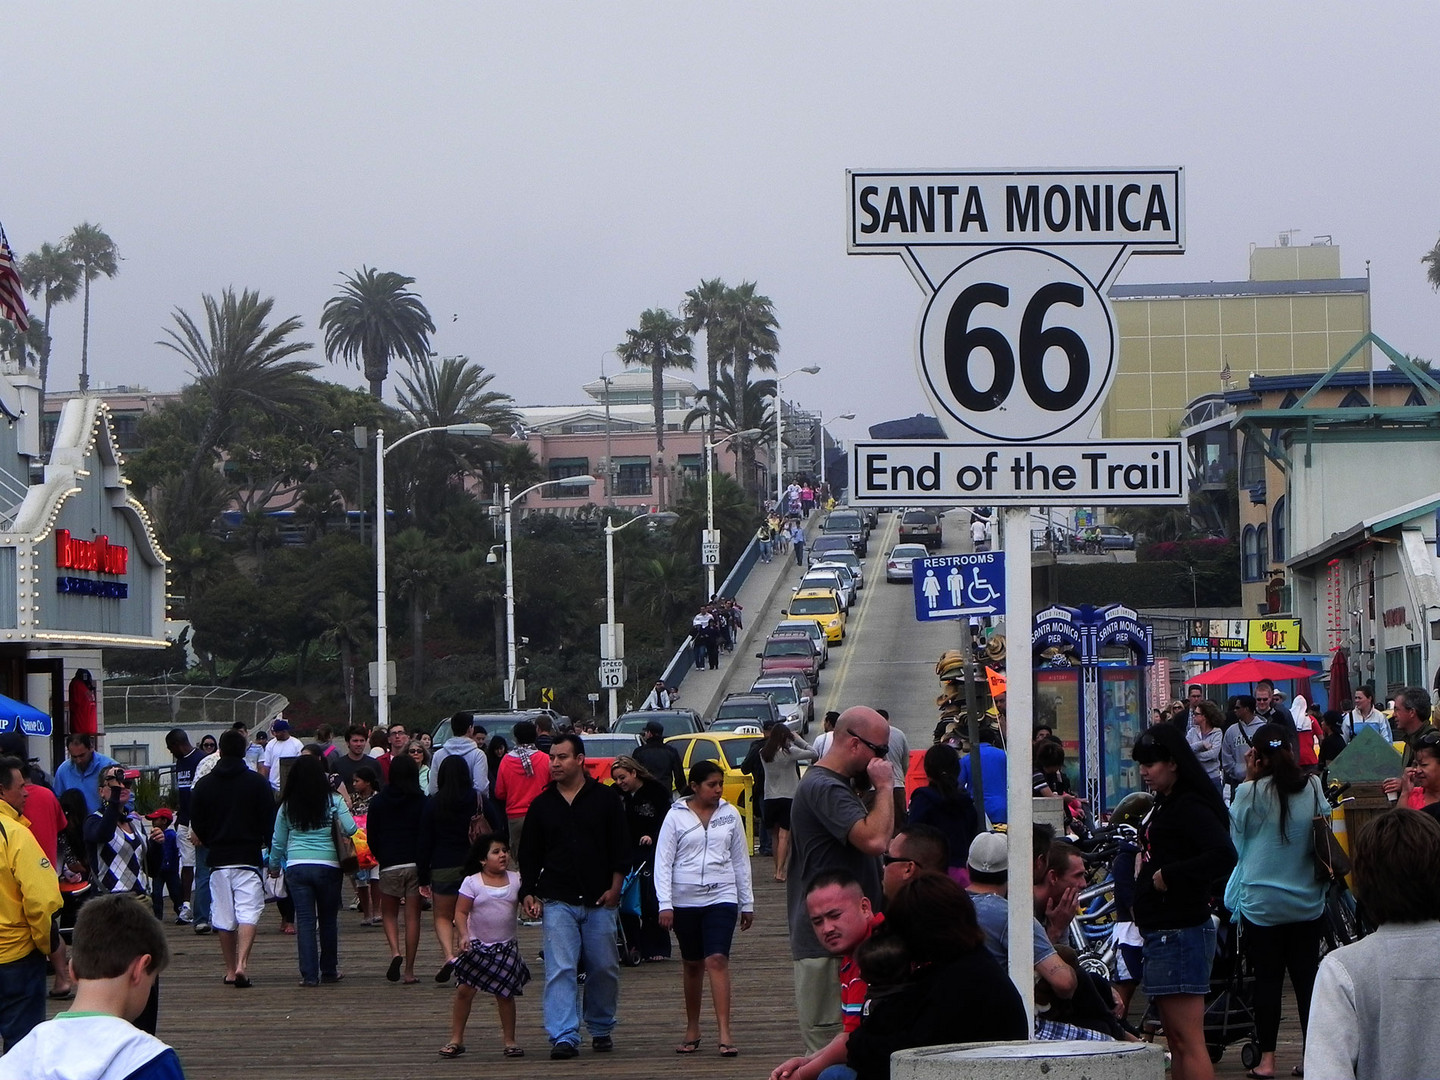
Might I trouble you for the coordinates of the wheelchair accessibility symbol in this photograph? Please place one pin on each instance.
(955, 586)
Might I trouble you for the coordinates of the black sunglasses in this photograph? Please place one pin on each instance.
(879, 751)
(886, 859)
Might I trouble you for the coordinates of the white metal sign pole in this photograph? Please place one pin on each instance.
(1020, 708)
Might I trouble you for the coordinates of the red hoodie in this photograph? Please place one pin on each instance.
(515, 786)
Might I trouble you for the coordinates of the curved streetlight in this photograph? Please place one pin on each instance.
(510, 691)
(812, 369)
(382, 644)
(610, 642)
(710, 534)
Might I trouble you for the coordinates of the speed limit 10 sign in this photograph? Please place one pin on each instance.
(1017, 345)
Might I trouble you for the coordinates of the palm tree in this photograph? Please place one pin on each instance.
(94, 253)
(239, 363)
(666, 586)
(750, 327)
(415, 575)
(25, 348)
(51, 271)
(454, 392)
(376, 317)
(704, 308)
(732, 411)
(660, 343)
(349, 625)
(1431, 259)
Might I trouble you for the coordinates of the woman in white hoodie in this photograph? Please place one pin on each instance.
(702, 879)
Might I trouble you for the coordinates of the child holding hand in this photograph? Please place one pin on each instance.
(488, 955)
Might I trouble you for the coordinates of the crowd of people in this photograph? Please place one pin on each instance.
(714, 629)
(896, 909)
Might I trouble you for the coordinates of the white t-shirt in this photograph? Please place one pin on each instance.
(492, 918)
(275, 751)
(822, 742)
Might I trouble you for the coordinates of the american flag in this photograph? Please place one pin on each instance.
(1226, 378)
(12, 291)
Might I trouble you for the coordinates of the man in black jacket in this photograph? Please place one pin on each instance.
(573, 857)
(232, 813)
(661, 760)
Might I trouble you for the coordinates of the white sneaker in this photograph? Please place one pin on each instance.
(185, 916)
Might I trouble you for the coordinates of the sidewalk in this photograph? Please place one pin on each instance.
(704, 690)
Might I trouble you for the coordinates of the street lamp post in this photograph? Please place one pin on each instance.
(710, 448)
(812, 369)
(610, 531)
(842, 416)
(510, 693)
(382, 644)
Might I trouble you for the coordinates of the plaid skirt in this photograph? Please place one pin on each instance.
(493, 969)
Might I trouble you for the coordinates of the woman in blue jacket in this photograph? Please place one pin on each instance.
(1273, 890)
(304, 843)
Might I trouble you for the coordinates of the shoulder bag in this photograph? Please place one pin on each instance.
(1331, 862)
(344, 846)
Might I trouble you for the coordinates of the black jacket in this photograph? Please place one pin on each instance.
(1186, 840)
(662, 761)
(644, 813)
(967, 1000)
(570, 850)
(232, 812)
(444, 838)
(393, 827)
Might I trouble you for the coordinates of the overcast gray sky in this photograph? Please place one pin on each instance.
(546, 171)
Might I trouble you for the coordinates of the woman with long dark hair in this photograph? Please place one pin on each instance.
(780, 757)
(1185, 854)
(1273, 891)
(304, 843)
(647, 802)
(393, 829)
(943, 805)
(444, 846)
(702, 881)
(955, 991)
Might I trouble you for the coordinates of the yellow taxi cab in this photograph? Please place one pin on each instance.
(728, 749)
(820, 606)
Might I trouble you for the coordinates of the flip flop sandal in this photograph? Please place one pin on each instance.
(728, 1050)
(242, 982)
(452, 1050)
(514, 1051)
(392, 973)
(446, 969)
(689, 1046)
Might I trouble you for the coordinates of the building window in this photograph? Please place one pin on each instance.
(1277, 530)
(692, 467)
(1249, 564)
(1262, 554)
(632, 476)
(1252, 463)
(559, 469)
(1394, 670)
(131, 755)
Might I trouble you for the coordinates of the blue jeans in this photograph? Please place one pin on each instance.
(316, 892)
(571, 932)
(22, 996)
(837, 1072)
(200, 895)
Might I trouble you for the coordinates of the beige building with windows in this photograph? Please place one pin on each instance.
(1180, 341)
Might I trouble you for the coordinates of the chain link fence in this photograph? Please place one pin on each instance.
(178, 705)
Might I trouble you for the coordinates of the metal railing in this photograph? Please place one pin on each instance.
(181, 705)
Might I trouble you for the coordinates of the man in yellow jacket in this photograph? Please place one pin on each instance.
(29, 899)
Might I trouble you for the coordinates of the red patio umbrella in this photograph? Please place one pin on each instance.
(1251, 670)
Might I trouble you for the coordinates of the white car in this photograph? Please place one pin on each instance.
(826, 579)
(809, 628)
(843, 572)
(898, 565)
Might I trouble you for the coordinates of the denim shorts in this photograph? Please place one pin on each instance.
(705, 931)
(1178, 961)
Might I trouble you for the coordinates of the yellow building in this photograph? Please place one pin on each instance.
(1181, 341)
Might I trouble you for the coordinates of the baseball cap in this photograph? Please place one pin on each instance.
(989, 853)
(280, 724)
(164, 814)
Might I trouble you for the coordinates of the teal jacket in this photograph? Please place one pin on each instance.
(290, 845)
(1274, 881)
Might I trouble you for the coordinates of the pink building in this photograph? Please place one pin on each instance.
(618, 425)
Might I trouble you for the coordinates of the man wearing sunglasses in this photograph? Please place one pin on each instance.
(832, 830)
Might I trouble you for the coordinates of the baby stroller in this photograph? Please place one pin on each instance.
(629, 916)
(1229, 1011)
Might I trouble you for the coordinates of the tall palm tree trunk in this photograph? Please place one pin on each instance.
(657, 390)
(85, 342)
(417, 643)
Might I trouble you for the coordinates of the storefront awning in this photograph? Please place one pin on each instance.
(28, 720)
